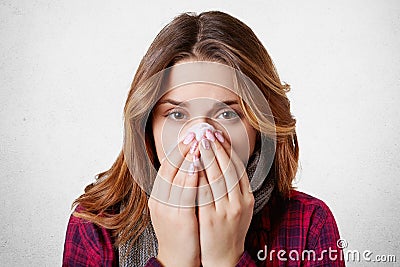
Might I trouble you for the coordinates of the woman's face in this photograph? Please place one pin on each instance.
(185, 106)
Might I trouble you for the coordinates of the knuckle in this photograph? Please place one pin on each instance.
(208, 221)
(205, 194)
(178, 182)
(214, 178)
(251, 201)
(230, 173)
(225, 215)
(236, 211)
(190, 183)
(187, 201)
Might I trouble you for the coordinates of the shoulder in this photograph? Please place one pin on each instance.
(85, 231)
(87, 243)
(314, 215)
(308, 204)
(298, 223)
(308, 208)
(300, 210)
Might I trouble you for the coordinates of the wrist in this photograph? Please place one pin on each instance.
(177, 261)
(226, 261)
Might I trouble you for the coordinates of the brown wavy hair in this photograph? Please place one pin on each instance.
(209, 36)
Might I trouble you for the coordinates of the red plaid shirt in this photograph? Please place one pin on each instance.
(298, 232)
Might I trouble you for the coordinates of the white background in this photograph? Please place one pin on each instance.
(66, 68)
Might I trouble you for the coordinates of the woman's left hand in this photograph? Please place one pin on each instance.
(225, 203)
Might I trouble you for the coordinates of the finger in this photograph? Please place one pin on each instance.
(173, 160)
(169, 168)
(204, 196)
(214, 174)
(227, 167)
(189, 191)
(178, 181)
(160, 189)
(242, 177)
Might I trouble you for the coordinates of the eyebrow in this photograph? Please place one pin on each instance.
(183, 104)
(171, 101)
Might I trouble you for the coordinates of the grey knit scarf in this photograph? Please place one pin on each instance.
(146, 244)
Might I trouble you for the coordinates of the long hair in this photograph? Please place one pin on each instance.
(210, 36)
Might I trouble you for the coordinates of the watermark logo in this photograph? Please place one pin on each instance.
(338, 253)
(341, 243)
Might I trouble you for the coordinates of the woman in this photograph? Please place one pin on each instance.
(199, 201)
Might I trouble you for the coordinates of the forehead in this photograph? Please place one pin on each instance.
(199, 79)
(193, 91)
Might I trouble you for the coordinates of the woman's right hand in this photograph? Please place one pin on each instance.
(172, 208)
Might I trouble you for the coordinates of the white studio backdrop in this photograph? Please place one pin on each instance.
(66, 68)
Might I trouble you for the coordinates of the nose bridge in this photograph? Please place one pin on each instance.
(201, 110)
(199, 119)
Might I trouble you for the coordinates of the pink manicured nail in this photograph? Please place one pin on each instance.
(210, 136)
(193, 147)
(219, 136)
(191, 169)
(189, 137)
(205, 143)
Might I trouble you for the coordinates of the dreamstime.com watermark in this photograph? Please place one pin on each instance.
(340, 252)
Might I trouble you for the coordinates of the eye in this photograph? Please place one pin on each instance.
(176, 115)
(228, 115)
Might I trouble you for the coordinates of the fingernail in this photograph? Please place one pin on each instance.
(210, 136)
(191, 169)
(189, 137)
(219, 136)
(193, 147)
(205, 143)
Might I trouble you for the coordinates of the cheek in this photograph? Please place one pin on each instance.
(165, 137)
(156, 128)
